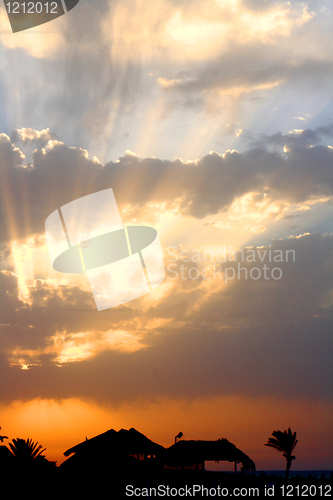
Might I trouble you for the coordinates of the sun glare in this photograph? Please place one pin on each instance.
(22, 255)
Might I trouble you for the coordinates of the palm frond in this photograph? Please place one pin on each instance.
(26, 450)
(283, 441)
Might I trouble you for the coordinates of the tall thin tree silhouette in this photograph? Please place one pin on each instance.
(25, 451)
(284, 442)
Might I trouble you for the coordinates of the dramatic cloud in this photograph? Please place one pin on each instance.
(113, 65)
(294, 139)
(211, 120)
(211, 335)
(59, 174)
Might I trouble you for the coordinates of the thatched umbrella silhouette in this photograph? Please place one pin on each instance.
(195, 453)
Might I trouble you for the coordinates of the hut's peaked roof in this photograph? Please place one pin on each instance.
(124, 441)
(189, 452)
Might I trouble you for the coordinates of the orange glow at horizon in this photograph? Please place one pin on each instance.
(60, 425)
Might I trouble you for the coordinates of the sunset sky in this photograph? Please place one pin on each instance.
(211, 120)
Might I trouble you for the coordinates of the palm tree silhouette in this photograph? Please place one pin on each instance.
(26, 451)
(285, 442)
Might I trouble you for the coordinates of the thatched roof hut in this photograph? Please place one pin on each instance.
(195, 453)
(111, 457)
(124, 442)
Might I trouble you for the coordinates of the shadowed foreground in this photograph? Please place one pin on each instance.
(127, 464)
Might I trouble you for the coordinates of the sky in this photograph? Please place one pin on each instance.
(211, 120)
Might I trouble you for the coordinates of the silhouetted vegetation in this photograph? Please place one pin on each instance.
(284, 442)
(112, 461)
(24, 466)
(25, 450)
